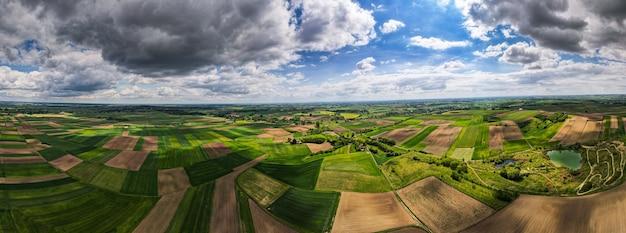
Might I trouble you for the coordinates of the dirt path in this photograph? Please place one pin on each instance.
(157, 221)
(225, 217)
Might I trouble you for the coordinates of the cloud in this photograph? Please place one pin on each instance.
(365, 65)
(323, 58)
(154, 38)
(576, 26)
(452, 65)
(391, 26)
(492, 50)
(330, 25)
(385, 62)
(436, 43)
(531, 57)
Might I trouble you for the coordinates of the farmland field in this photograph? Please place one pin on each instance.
(483, 165)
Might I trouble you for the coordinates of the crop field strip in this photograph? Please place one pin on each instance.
(370, 212)
(440, 140)
(302, 176)
(305, 210)
(351, 172)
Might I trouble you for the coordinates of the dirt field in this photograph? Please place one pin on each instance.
(172, 180)
(400, 135)
(161, 214)
(409, 230)
(225, 200)
(579, 130)
(441, 207)
(370, 212)
(54, 124)
(264, 222)
(215, 149)
(496, 137)
(128, 159)
(441, 139)
(22, 160)
(592, 131)
(301, 128)
(11, 132)
(600, 212)
(436, 122)
(66, 162)
(511, 131)
(314, 148)
(21, 151)
(150, 143)
(277, 135)
(27, 129)
(121, 143)
(31, 179)
(614, 122)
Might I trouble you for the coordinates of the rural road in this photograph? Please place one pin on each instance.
(225, 201)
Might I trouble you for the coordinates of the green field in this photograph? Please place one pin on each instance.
(415, 140)
(302, 175)
(262, 188)
(351, 172)
(307, 211)
(194, 211)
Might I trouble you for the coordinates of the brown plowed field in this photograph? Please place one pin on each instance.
(27, 129)
(301, 128)
(599, 212)
(277, 135)
(225, 201)
(511, 131)
(128, 159)
(441, 207)
(370, 212)
(22, 160)
(150, 143)
(314, 148)
(579, 130)
(172, 180)
(409, 230)
(215, 149)
(21, 151)
(399, 135)
(496, 137)
(31, 179)
(161, 214)
(614, 122)
(441, 139)
(264, 222)
(121, 143)
(66, 162)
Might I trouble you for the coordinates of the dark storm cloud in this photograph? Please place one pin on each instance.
(539, 19)
(609, 9)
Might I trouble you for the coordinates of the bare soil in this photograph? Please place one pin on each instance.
(225, 201)
(264, 222)
(66, 162)
(614, 122)
(27, 129)
(592, 131)
(22, 160)
(215, 149)
(496, 137)
(599, 212)
(301, 128)
(121, 143)
(440, 140)
(277, 135)
(129, 160)
(172, 180)
(31, 179)
(370, 212)
(441, 207)
(150, 143)
(511, 131)
(314, 148)
(400, 135)
(157, 221)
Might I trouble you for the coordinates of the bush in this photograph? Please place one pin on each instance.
(505, 195)
(511, 173)
(317, 138)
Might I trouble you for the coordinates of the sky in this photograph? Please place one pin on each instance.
(266, 51)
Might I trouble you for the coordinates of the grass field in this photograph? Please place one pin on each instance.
(262, 188)
(518, 116)
(468, 136)
(349, 116)
(351, 172)
(302, 175)
(306, 211)
(286, 153)
(194, 211)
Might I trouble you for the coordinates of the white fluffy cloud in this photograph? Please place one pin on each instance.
(436, 43)
(365, 65)
(492, 50)
(391, 25)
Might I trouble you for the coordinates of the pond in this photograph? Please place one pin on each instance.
(565, 158)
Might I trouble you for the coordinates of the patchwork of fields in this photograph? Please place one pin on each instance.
(341, 169)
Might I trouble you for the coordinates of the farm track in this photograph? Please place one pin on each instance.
(225, 201)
